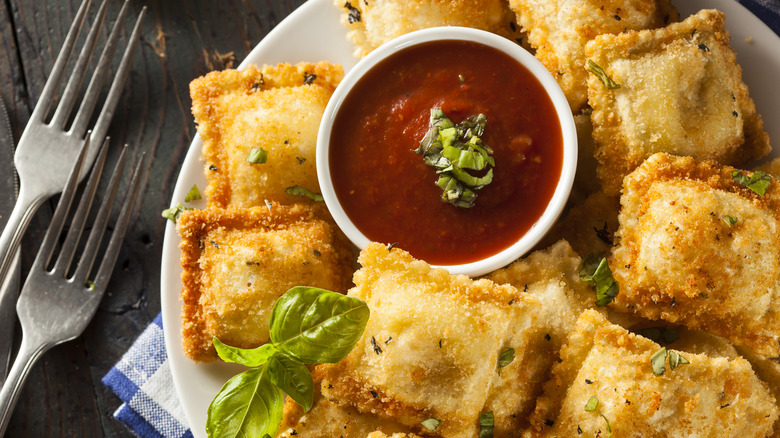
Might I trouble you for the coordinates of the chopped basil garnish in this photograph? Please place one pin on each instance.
(454, 150)
(297, 338)
(595, 271)
(592, 404)
(675, 360)
(431, 423)
(505, 358)
(602, 75)
(730, 220)
(173, 213)
(758, 183)
(486, 423)
(257, 156)
(609, 427)
(658, 361)
(303, 191)
(193, 194)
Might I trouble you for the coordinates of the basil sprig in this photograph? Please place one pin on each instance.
(308, 325)
(454, 150)
(599, 72)
(595, 271)
(758, 182)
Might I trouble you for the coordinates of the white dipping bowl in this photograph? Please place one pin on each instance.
(449, 33)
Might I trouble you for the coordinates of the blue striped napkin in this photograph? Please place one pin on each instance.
(142, 379)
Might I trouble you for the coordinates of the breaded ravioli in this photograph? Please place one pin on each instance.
(605, 385)
(437, 345)
(681, 92)
(767, 370)
(276, 109)
(327, 419)
(373, 23)
(238, 261)
(589, 226)
(696, 247)
(559, 30)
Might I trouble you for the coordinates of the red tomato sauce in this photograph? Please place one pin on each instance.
(390, 194)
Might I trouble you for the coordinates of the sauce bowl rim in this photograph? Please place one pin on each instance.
(448, 33)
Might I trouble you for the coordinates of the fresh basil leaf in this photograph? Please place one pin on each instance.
(602, 75)
(758, 183)
(609, 427)
(303, 191)
(505, 358)
(193, 194)
(293, 378)
(250, 357)
(600, 276)
(431, 423)
(593, 403)
(257, 156)
(676, 359)
(173, 213)
(486, 424)
(730, 220)
(247, 405)
(658, 361)
(314, 325)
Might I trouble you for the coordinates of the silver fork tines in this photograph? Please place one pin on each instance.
(56, 306)
(47, 151)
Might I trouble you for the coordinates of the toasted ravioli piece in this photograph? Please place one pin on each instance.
(275, 108)
(681, 92)
(237, 262)
(767, 370)
(431, 347)
(559, 30)
(679, 259)
(373, 23)
(708, 397)
(327, 419)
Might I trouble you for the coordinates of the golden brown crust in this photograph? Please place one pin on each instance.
(431, 347)
(679, 260)
(277, 108)
(559, 30)
(707, 397)
(373, 23)
(238, 261)
(681, 93)
(771, 167)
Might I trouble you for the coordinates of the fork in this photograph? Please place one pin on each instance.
(57, 302)
(47, 150)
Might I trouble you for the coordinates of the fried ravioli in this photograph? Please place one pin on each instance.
(681, 92)
(237, 262)
(432, 346)
(559, 30)
(373, 23)
(590, 226)
(706, 397)
(699, 249)
(275, 108)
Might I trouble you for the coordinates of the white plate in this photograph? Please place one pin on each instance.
(313, 33)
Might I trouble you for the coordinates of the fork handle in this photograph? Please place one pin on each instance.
(29, 353)
(26, 205)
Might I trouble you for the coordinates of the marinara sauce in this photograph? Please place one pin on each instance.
(390, 194)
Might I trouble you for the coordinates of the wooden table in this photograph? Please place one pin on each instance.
(181, 40)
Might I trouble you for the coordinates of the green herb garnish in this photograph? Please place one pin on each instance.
(303, 191)
(658, 360)
(505, 358)
(730, 220)
(431, 423)
(602, 75)
(454, 151)
(173, 213)
(609, 427)
(486, 423)
(257, 156)
(193, 194)
(308, 325)
(758, 183)
(593, 403)
(595, 271)
(676, 359)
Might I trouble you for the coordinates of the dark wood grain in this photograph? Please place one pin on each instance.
(181, 40)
